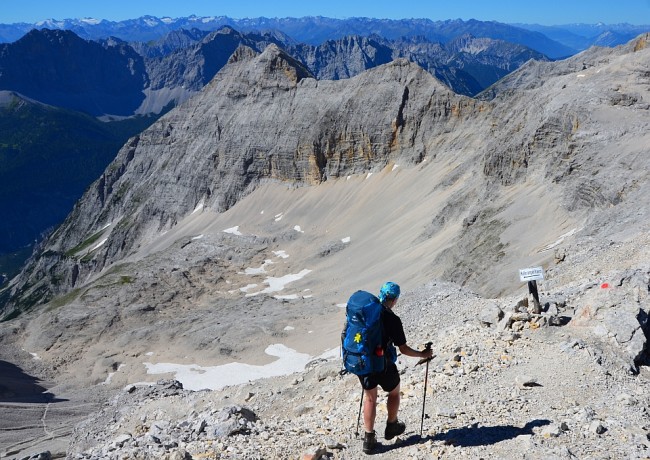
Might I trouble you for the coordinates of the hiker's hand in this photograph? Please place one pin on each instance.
(426, 353)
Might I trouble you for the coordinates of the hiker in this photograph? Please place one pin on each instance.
(389, 379)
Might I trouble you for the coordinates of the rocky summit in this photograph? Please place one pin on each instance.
(233, 230)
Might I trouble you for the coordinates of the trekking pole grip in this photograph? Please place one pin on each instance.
(427, 346)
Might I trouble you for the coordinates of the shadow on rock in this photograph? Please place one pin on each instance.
(470, 436)
(18, 387)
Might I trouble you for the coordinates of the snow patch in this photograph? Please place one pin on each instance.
(277, 284)
(559, 240)
(260, 270)
(298, 229)
(395, 167)
(99, 245)
(199, 207)
(346, 239)
(368, 176)
(282, 254)
(110, 375)
(195, 378)
(248, 287)
(286, 297)
(198, 237)
(234, 230)
(278, 217)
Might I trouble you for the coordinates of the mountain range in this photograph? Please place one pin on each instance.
(553, 41)
(114, 80)
(221, 145)
(249, 212)
(127, 79)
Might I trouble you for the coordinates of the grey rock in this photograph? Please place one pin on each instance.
(526, 382)
(444, 411)
(596, 427)
(333, 444)
(315, 453)
(223, 429)
(505, 322)
(122, 439)
(303, 409)
(199, 426)
(491, 314)
(179, 454)
(326, 371)
(552, 431)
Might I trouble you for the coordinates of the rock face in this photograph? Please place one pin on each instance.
(218, 147)
(247, 216)
(466, 64)
(115, 78)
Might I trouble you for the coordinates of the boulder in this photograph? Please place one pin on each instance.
(490, 315)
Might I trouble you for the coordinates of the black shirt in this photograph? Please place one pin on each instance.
(393, 329)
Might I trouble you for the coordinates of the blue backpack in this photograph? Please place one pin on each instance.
(361, 339)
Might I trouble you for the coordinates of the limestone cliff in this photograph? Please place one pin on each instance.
(264, 117)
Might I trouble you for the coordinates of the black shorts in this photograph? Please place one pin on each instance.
(387, 380)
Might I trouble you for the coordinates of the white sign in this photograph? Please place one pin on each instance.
(531, 274)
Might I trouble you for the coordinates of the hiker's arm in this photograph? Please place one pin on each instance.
(408, 351)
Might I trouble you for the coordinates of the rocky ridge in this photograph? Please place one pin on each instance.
(150, 78)
(552, 174)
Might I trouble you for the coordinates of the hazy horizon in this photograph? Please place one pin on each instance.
(551, 12)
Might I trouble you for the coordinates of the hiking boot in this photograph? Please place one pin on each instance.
(369, 443)
(394, 429)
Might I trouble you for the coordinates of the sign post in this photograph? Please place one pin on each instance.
(531, 275)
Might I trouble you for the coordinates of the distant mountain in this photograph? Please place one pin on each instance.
(466, 64)
(59, 68)
(581, 36)
(116, 78)
(48, 156)
(310, 30)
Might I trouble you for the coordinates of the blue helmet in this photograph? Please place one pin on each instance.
(389, 291)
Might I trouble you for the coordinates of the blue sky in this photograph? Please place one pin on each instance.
(547, 12)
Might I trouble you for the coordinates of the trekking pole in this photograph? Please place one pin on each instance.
(426, 378)
(359, 416)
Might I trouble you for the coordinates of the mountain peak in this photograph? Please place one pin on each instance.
(243, 53)
(276, 59)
